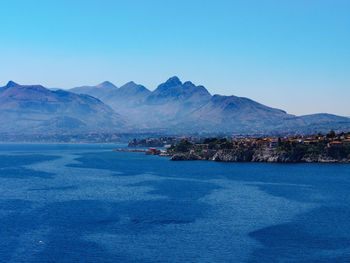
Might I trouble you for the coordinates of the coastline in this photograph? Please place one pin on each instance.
(258, 156)
(220, 156)
(319, 149)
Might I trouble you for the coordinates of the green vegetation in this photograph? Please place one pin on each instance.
(183, 146)
(331, 134)
(218, 143)
(330, 147)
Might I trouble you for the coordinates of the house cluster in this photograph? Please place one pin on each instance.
(330, 139)
(256, 142)
(162, 141)
(192, 139)
(153, 142)
(153, 151)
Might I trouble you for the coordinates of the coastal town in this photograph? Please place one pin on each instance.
(330, 147)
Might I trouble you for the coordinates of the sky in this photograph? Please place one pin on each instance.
(288, 54)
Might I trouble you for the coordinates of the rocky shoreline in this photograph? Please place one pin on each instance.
(269, 156)
(271, 150)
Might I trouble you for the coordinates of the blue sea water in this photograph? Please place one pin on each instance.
(86, 203)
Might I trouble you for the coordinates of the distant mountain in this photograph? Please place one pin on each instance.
(33, 108)
(101, 91)
(128, 96)
(313, 123)
(231, 113)
(185, 107)
(173, 90)
(322, 117)
(172, 101)
(169, 102)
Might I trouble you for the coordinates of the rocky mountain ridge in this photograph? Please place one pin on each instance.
(183, 107)
(174, 107)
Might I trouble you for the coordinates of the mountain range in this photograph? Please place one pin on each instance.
(35, 109)
(187, 108)
(173, 107)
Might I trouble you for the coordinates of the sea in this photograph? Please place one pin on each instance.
(75, 203)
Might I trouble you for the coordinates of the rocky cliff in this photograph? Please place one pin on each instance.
(221, 150)
(269, 156)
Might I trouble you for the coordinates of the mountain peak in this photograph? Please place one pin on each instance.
(132, 88)
(106, 84)
(188, 84)
(11, 84)
(190, 87)
(173, 81)
(129, 84)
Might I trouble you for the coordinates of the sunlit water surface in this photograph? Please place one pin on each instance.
(86, 203)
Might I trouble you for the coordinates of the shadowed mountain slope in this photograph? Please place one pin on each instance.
(33, 108)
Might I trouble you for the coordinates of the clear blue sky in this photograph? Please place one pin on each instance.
(292, 54)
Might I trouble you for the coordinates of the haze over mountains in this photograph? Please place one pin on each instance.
(185, 107)
(35, 109)
(173, 107)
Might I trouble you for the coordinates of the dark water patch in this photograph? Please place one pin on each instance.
(79, 215)
(11, 166)
(14, 204)
(23, 173)
(337, 259)
(7, 161)
(175, 226)
(51, 147)
(129, 163)
(13, 223)
(69, 223)
(66, 248)
(137, 163)
(57, 188)
(300, 193)
(170, 221)
(146, 214)
(322, 229)
(180, 189)
(299, 174)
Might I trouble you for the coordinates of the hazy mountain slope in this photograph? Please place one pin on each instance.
(323, 117)
(174, 90)
(231, 113)
(128, 96)
(101, 91)
(171, 100)
(34, 108)
(223, 108)
(185, 107)
(123, 100)
(314, 123)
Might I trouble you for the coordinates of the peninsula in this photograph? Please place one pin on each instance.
(329, 148)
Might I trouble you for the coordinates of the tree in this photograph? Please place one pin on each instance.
(331, 134)
(183, 146)
(210, 140)
(226, 145)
